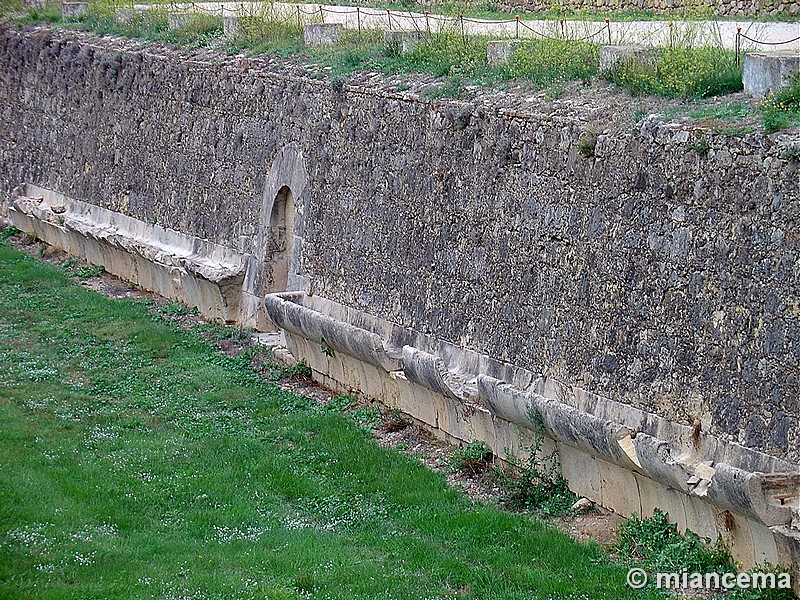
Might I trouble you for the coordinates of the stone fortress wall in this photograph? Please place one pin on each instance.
(658, 267)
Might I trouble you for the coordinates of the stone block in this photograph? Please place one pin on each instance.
(176, 21)
(619, 489)
(230, 26)
(702, 517)
(173, 264)
(765, 548)
(610, 56)
(582, 472)
(72, 10)
(767, 72)
(500, 52)
(754, 544)
(322, 34)
(787, 544)
(403, 42)
(514, 443)
(654, 495)
(34, 3)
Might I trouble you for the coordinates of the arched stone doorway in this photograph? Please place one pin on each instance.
(279, 242)
(275, 265)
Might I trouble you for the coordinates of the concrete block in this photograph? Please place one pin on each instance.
(764, 547)
(176, 21)
(654, 495)
(767, 72)
(422, 404)
(72, 10)
(500, 52)
(482, 427)
(610, 56)
(403, 42)
(230, 26)
(702, 517)
(787, 542)
(619, 489)
(322, 34)
(582, 472)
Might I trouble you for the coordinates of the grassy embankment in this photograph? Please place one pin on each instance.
(137, 461)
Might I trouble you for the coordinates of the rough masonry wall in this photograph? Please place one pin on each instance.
(661, 267)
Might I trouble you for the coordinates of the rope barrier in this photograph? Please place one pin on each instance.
(749, 39)
(741, 36)
(443, 23)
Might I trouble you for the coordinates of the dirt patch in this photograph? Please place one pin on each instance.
(600, 526)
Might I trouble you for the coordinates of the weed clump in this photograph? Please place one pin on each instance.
(536, 492)
(9, 232)
(472, 459)
(781, 110)
(679, 73)
(547, 61)
(299, 371)
(659, 546)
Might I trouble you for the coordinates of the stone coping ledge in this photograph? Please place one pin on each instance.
(209, 261)
(725, 474)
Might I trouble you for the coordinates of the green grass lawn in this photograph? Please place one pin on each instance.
(136, 461)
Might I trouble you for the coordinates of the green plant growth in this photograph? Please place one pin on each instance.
(339, 404)
(538, 486)
(199, 31)
(177, 310)
(701, 147)
(9, 232)
(298, 371)
(781, 110)
(679, 73)
(659, 546)
(368, 417)
(81, 270)
(452, 88)
(85, 272)
(472, 459)
(136, 460)
(22, 15)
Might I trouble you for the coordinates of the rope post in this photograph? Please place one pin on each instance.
(298, 18)
(516, 25)
(671, 33)
(358, 13)
(463, 34)
(427, 22)
(563, 33)
(321, 14)
(738, 46)
(389, 18)
(608, 28)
